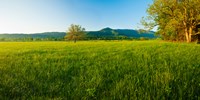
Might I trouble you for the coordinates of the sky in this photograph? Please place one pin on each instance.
(33, 16)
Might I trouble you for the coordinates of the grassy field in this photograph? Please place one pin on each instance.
(140, 70)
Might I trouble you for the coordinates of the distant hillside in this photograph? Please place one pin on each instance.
(35, 35)
(106, 33)
(113, 33)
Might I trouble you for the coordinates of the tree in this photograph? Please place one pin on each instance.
(175, 18)
(75, 32)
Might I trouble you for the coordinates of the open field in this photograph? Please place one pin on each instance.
(99, 70)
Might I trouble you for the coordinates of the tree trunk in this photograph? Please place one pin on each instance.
(187, 35)
(190, 34)
(75, 40)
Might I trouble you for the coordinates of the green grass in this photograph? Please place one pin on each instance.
(99, 70)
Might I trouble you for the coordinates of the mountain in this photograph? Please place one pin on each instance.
(106, 33)
(112, 33)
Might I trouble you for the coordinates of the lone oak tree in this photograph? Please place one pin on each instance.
(75, 32)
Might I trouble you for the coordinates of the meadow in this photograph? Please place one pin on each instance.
(137, 70)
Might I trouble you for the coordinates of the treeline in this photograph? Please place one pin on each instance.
(104, 34)
(46, 36)
(177, 20)
(31, 39)
(62, 39)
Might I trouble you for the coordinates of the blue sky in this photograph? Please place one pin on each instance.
(31, 16)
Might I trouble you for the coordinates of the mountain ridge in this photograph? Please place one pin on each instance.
(105, 33)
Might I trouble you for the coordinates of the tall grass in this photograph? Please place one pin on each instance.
(99, 70)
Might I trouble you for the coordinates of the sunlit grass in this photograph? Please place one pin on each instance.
(99, 70)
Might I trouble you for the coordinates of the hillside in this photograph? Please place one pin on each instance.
(118, 33)
(106, 33)
(35, 35)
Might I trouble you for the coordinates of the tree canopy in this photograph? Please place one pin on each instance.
(176, 19)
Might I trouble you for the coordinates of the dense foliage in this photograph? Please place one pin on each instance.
(176, 19)
(99, 70)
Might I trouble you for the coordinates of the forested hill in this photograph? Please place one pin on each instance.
(106, 33)
(35, 35)
(119, 33)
